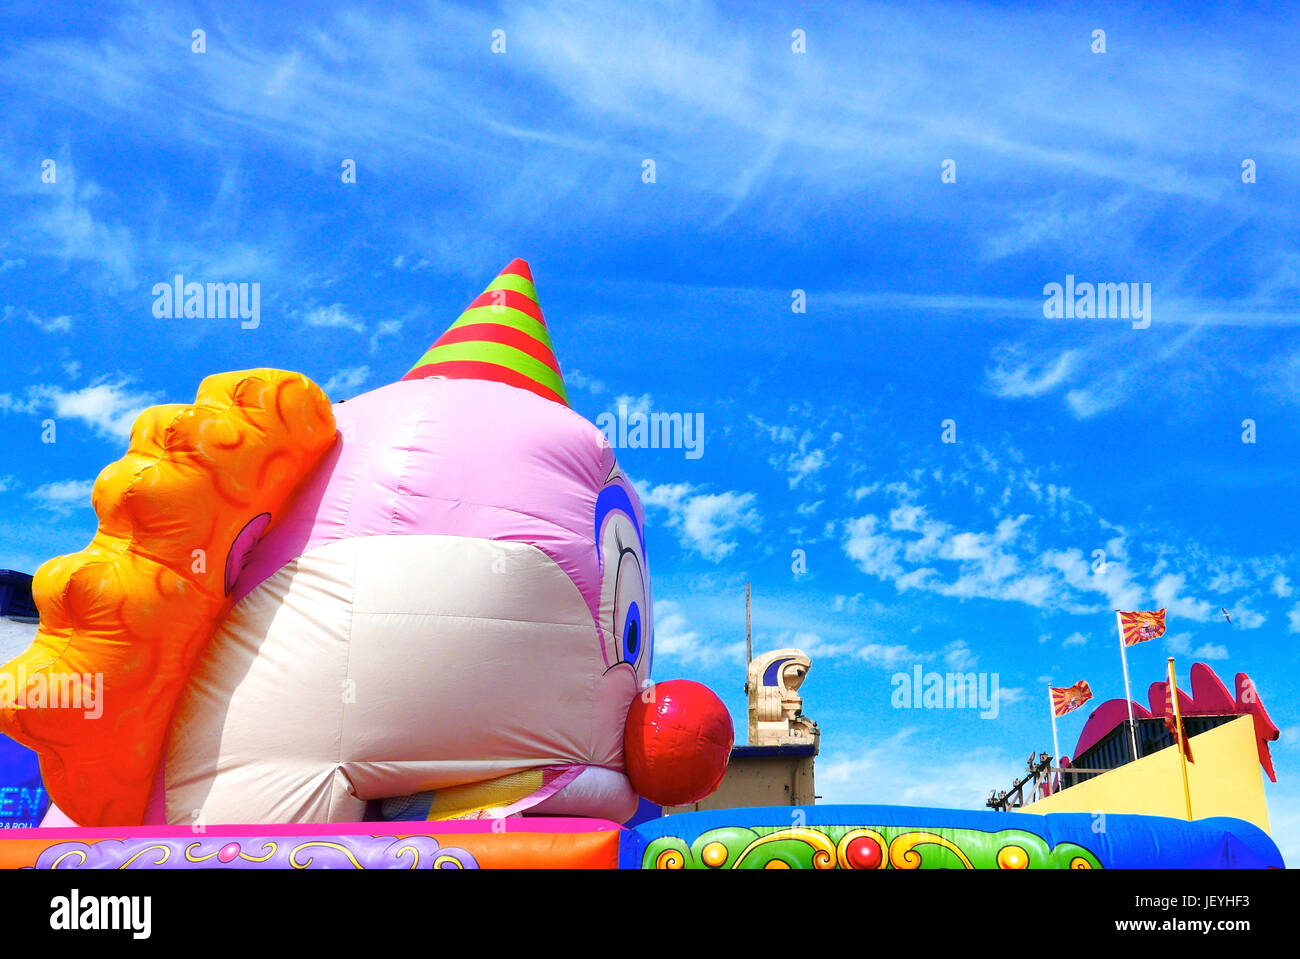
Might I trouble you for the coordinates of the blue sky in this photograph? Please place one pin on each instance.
(774, 172)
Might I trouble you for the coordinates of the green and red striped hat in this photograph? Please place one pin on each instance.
(501, 337)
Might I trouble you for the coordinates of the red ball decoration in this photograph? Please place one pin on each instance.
(863, 853)
(677, 742)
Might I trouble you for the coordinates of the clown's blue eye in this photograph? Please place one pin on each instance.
(630, 639)
(632, 634)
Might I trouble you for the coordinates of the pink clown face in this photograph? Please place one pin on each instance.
(459, 593)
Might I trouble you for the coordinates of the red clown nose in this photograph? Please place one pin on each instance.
(677, 742)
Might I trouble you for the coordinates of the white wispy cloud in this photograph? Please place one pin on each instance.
(887, 771)
(346, 382)
(1086, 403)
(916, 552)
(579, 379)
(64, 222)
(333, 316)
(708, 523)
(1063, 221)
(12, 404)
(1170, 592)
(959, 657)
(46, 324)
(889, 655)
(108, 407)
(675, 638)
(805, 458)
(847, 604)
(1029, 378)
(64, 496)
(727, 96)
(383, 330)
(636, 406)
(1011, 694)
(912, 549)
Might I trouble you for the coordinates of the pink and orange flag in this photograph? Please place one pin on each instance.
(1142, 625)
(1070, 698)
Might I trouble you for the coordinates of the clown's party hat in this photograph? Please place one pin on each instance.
(502, 337)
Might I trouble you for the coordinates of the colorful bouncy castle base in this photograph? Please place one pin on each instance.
(519, 843)
(815, 837)
(907, 837)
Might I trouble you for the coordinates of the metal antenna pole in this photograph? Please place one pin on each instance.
(749, 641)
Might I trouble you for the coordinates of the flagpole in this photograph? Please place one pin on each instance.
(1128, 691)
(1056, 743)
(1179, 736)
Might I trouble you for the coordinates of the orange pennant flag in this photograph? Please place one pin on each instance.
(1070, 698)
(1142, 625)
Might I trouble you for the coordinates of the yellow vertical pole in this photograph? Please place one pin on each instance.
(1179, 734)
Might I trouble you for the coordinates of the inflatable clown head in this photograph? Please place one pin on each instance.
(448, 616)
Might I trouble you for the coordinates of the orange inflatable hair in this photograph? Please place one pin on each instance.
(124, 620)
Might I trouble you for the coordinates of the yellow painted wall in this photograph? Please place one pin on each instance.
(1225, 780)
(760, 781)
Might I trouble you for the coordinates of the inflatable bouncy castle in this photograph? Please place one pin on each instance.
(415, 629)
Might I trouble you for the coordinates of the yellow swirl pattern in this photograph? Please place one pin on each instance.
(670, 859)
(189, 853)
(166, 854)
(320, 843)
(824, 849)
(70, 852)
(266, 845)
(903, 854)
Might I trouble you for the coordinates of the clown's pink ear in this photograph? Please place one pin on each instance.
(501, 337)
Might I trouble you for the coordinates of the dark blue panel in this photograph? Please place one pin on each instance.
(16, 594)
(646, 811)
(23, 799)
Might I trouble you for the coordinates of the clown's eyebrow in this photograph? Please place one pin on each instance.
(614, 498)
